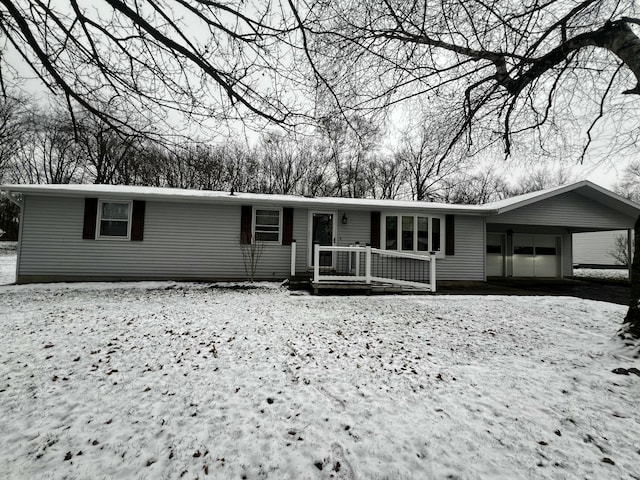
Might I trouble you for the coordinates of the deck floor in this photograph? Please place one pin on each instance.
(346, 287)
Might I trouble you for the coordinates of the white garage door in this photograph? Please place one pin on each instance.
(536, 256)
(495, 255)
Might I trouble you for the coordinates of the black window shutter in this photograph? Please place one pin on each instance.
(375, 229)
(450, 235)
(287, 226)
(90, 215)
(245, 224)
(137, 221)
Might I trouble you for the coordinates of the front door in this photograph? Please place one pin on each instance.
(323, 232)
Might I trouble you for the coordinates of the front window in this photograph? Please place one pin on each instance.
(423, 234)
(114, 219)
(266, 225)
(435, 234)
(391, 229)
(407, 233)
(413, 233)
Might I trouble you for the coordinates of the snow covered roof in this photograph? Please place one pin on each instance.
(585, 188)
(178, 194)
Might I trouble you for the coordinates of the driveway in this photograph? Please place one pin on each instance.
(612, 291)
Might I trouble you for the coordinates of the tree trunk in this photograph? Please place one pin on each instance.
(631, 323)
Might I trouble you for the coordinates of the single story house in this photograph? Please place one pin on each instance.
(114, 233)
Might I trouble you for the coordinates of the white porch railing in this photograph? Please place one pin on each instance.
(385, 266)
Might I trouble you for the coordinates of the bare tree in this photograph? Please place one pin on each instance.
(106, 149)
(283, 162)
(620, 250)
(350, 144)
(318, 179)
(514, 70)
(629, 186)
(540, 179)
(517, 72)
(387, 177)
(478, 188)
(48, 153)
(421, 154)
(252, 250)
(242, 167)
(145, 165)
(198, 58)
(13, 129)
(9, 220)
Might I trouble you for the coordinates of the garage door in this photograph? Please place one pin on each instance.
(536, 256)
(495, 255)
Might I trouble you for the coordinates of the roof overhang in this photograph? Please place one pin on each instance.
(585, 188)
(227, 198)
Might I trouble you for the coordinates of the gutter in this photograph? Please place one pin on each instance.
(240, 198)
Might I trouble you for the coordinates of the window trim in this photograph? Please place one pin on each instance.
(253, 225)
(99, 236)
(383, 232)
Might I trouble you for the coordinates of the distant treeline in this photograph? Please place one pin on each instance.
(338, 158)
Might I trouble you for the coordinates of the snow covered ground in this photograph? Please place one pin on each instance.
(163, 380)
(602, 273)
(7, 262)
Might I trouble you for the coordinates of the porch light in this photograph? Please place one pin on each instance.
(344, 218)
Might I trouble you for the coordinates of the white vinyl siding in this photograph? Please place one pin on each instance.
(182, 241)
(466, 264)
(193, 241)
(594, 248)
(569, 209)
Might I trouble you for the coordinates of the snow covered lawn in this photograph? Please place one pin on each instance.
(602, 273)
(7, 262)
(166, 380)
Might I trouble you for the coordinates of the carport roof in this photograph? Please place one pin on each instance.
(585, 188)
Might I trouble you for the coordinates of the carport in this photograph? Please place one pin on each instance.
(530, 236)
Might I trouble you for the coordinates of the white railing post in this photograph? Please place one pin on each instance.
(367, 265)
(357, 258)
(316, 262)
(350, 260)
(293, 258)
(432, 271)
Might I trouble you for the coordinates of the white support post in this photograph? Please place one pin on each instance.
(432, 272)
(316, 262)
(357, 258)
(367, 265)
(293, 258)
